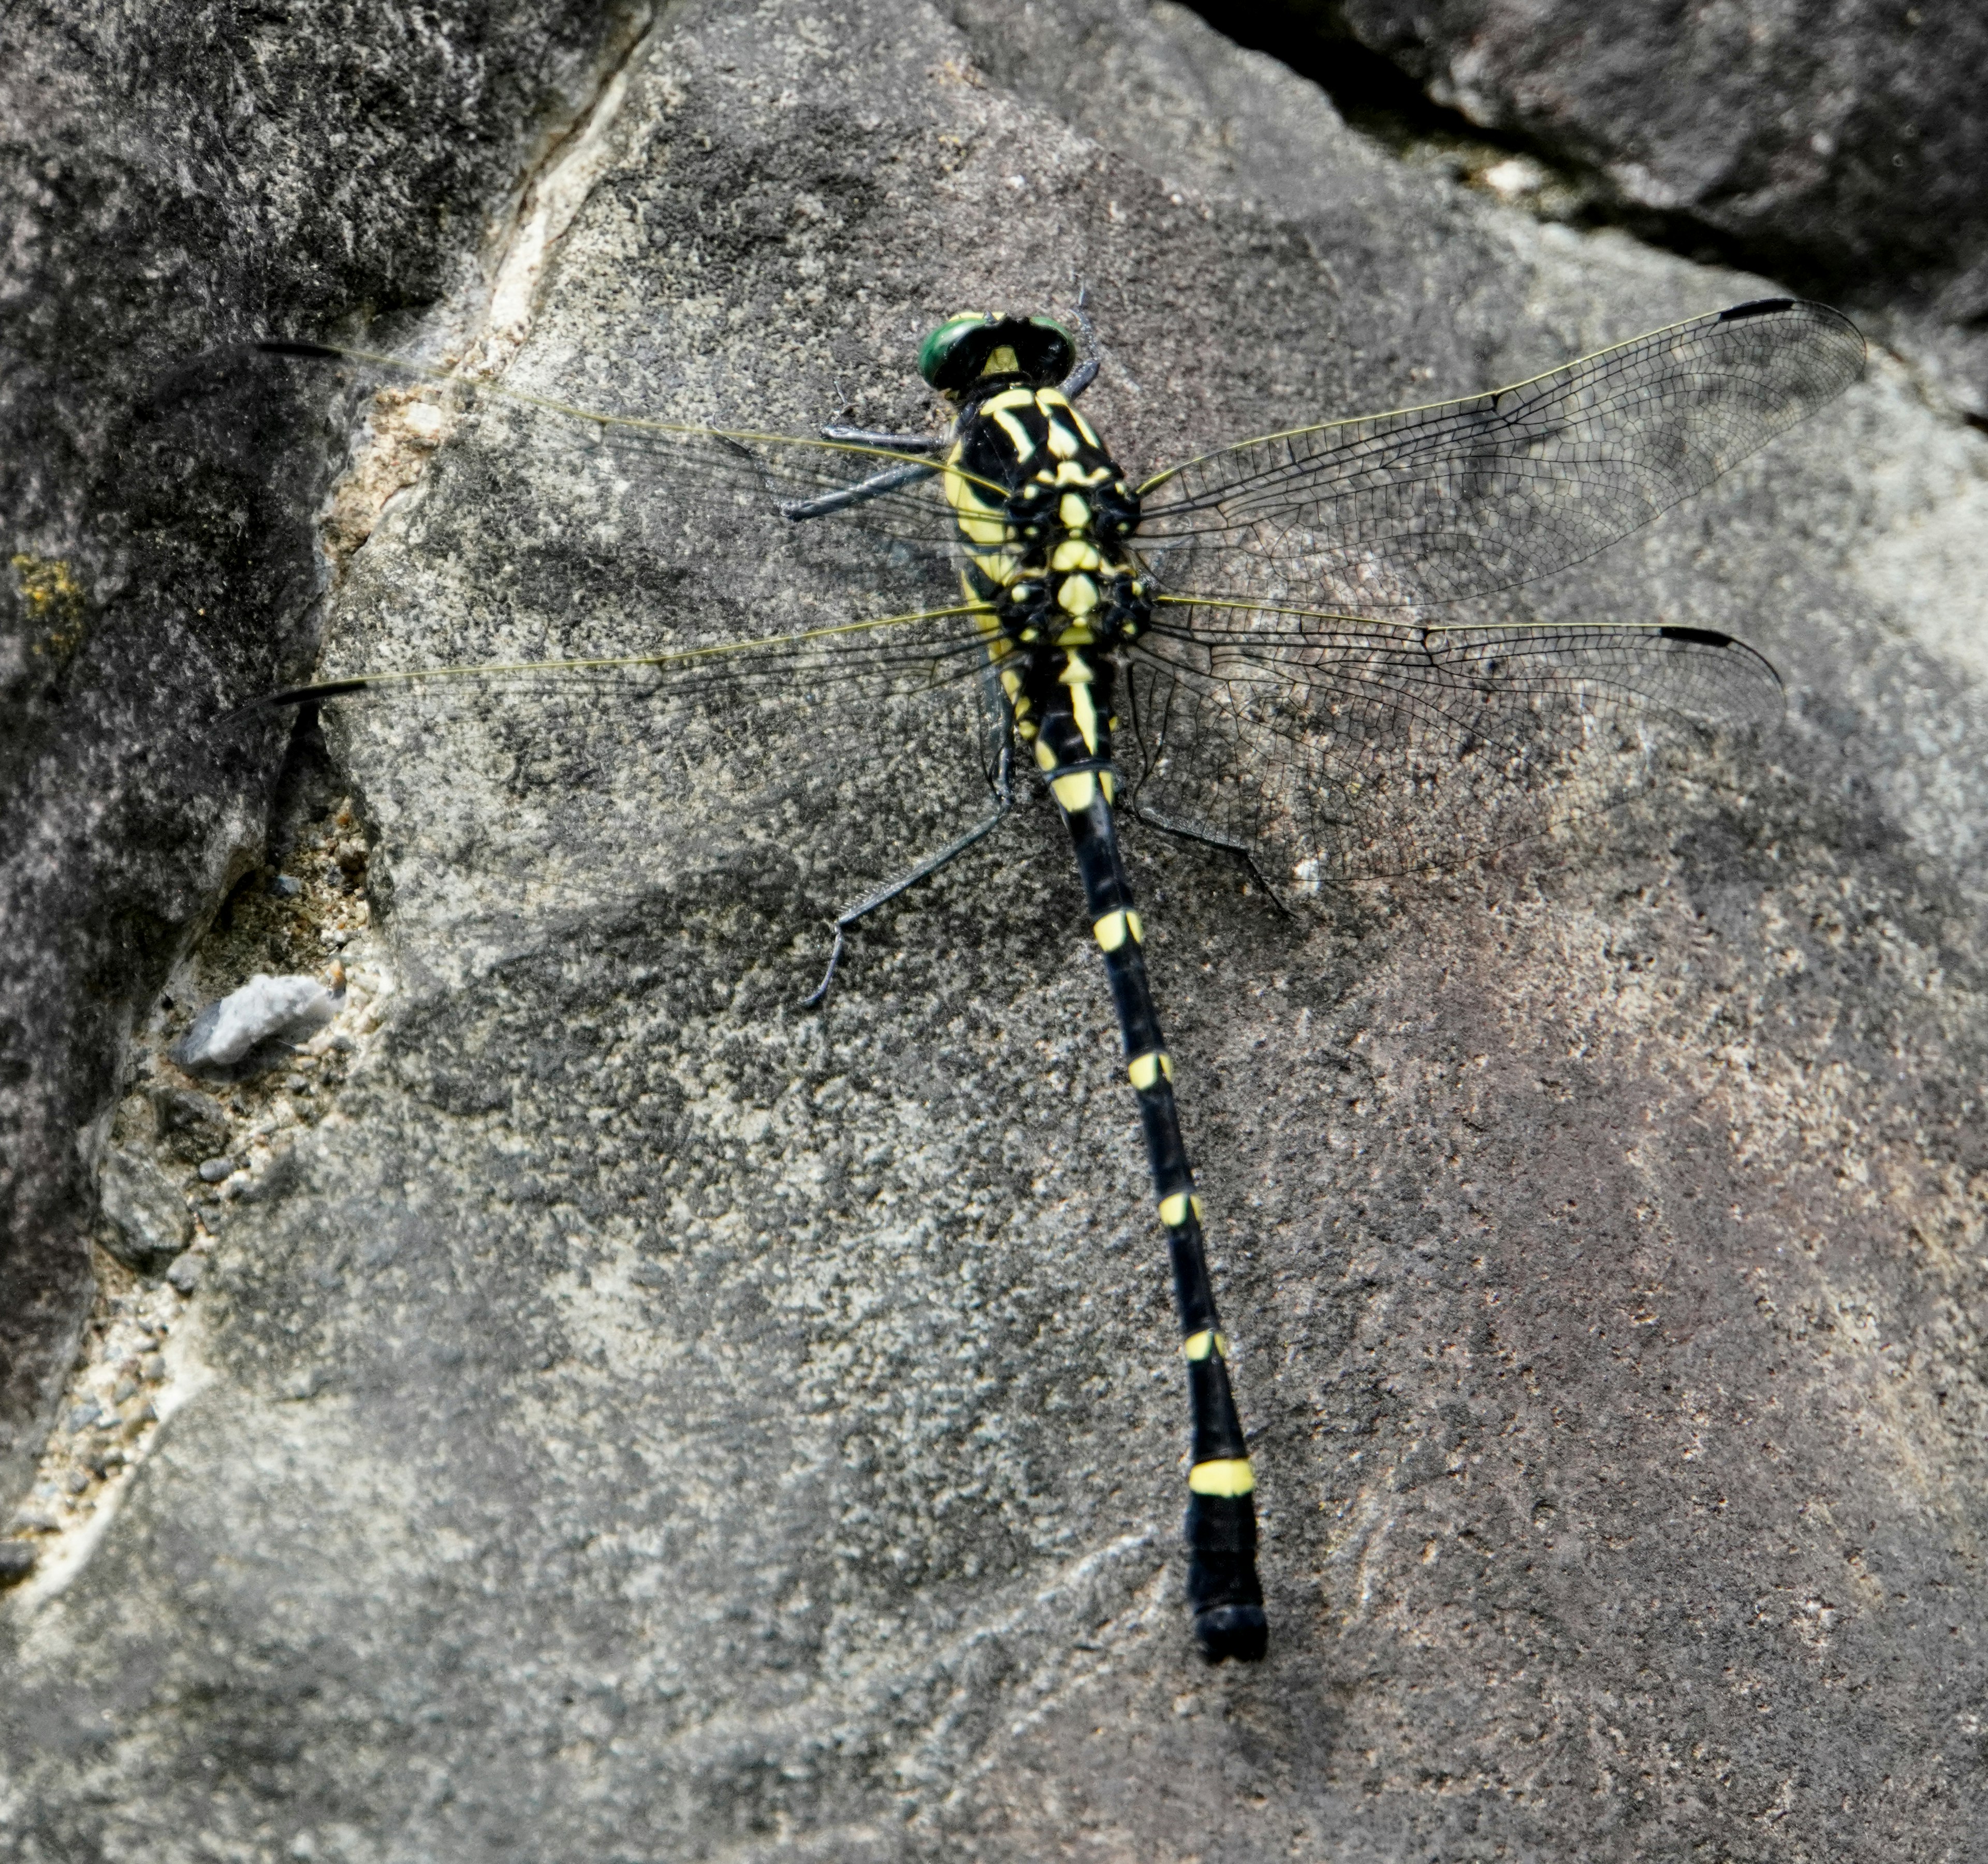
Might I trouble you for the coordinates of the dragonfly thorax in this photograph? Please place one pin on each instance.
(1046, 515)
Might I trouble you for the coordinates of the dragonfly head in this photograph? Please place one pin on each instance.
(970, 355)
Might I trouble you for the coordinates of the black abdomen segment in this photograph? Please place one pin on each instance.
(1223, 1591)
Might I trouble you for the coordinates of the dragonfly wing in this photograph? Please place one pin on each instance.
(1345, 748)
(688, 472)
(1434, 504)
(816, 768)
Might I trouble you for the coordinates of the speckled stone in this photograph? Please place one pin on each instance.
(645, 1420)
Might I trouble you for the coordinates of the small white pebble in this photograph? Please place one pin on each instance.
(225, 1031)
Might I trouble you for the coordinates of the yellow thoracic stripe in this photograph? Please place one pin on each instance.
(1230, 1476)
(644, 424)
(1426, 407)
(678, 657)
(1019, 437)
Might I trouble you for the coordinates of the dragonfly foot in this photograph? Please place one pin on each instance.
(819, 995)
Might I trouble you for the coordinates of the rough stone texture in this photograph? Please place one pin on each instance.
(172, 180)
(643, 1420)
(146, 1213)
(1839, 143)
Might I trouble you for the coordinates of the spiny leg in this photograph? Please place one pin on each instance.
(1208, 837)
(1223, 1591)
(890, 480)
(1004, 801)
(889, 443)
(1080, 378)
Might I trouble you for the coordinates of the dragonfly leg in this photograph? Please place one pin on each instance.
(890, 443)
(861, 493)
(924, 870)
(1086, 372)
(1208, 837)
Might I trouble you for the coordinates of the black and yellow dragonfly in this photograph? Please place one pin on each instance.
(1259, 647)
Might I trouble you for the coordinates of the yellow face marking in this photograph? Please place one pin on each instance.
(1019, 437)
(1231, 1476)
(1003, 362)
(1146, 1070)
(1076, 554)
(1074, 512)
(1076, 595)
(1173, 1210)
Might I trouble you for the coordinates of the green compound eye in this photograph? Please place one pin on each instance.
(977, 349)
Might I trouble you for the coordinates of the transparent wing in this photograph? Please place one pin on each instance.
(1344, 749)
(1434, 504)
(810, 767)
(683, 467)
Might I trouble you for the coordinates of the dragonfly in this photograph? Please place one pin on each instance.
(1263, 648)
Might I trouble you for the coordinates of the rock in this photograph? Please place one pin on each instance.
(172, 190)
(1841, 149)
(185, 1273)
(263, 1013)
(1599, 1232)
(149, 1220)
(17, 1561)
(191, 1125)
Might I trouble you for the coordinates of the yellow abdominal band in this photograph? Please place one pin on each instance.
(1115, 927)
(1231, 1476)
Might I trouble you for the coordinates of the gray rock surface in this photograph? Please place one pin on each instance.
(1839, 143)
(148, 1216)
(640, 1419)
(173, 181)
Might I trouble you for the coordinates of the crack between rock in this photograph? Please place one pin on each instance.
(1381, 100)
(407, 422)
